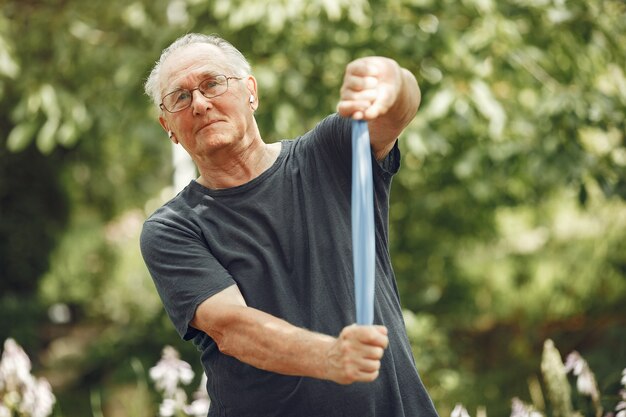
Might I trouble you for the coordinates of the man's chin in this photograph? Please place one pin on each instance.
(214, 142)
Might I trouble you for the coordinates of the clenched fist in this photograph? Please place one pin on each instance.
(370, 87)
(356, 354)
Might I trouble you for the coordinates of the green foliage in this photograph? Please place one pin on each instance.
(508, 219)
(556, 381)
(33, 212)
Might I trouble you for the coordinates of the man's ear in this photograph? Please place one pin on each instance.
(165, 127)
(252, 90)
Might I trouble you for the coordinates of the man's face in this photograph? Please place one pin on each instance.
(208, 124)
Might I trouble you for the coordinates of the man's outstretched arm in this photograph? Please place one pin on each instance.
(378, 90)
(269, 343)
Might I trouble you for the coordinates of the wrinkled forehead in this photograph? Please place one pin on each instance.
(187, 66)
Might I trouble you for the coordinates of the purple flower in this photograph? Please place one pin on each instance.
(167, 408)
(170, 371)
(167, 374)
(200, 406)
(586, 382)
(459, 411)
(621, 408)
(520, 409)
(37, 398)
(14, 367)
(19, 390)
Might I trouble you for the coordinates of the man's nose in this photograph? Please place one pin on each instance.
(199, 102)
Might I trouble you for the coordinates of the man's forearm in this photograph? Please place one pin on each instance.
(405, 107)
(386, 128)
(269, 343)
(272, 344)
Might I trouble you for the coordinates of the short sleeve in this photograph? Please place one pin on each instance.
(390, 165)
(183, 269)
(333, 137)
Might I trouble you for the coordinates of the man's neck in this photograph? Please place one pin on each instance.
(227, 169)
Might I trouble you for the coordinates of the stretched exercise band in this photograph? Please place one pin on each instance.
(363, 243)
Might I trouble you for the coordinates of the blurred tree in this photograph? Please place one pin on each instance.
(508, 217)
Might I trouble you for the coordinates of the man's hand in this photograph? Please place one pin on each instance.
(370, 88)
(355, 355)
(378, 90)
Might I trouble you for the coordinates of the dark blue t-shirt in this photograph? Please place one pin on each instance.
(284, 239)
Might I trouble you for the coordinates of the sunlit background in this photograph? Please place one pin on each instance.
(508, 218)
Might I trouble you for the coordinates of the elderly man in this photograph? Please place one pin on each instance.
(253, 259)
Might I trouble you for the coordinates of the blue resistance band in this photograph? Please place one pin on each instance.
(363, 244)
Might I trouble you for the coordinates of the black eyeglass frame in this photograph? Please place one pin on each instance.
(163, 107)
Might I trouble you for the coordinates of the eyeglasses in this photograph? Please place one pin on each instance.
(181, 99)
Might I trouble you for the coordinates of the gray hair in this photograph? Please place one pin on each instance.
(235, 60)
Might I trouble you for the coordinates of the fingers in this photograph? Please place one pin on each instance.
(369, 89)
(369, 335)
(357, 353)
(357, 83)
(358, 92)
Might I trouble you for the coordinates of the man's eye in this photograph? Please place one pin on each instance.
(209, 84)
(182, 96)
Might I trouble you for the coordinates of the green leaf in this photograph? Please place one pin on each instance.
(46, 136)
(21, 136)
